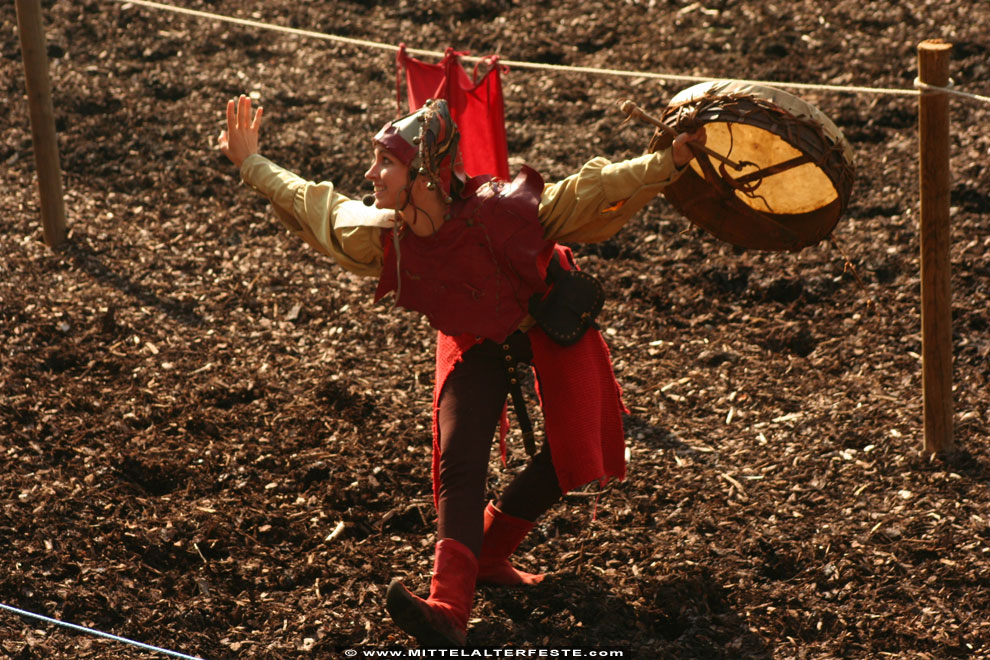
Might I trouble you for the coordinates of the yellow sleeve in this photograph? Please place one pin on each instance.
(309, 211)
(592, 205)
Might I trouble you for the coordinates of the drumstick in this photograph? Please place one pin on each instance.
(633, 110)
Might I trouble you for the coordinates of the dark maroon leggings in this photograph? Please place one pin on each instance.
(469, 410)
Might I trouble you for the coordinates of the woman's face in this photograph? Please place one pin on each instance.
(390, 178)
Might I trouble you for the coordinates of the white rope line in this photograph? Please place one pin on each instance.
(91, 631)
(547, 67)
(948, 89)
(273, 27)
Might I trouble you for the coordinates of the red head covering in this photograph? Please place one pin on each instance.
(426, 140)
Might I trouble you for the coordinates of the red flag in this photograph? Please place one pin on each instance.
(475, 105)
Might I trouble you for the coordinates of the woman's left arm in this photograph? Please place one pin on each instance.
(592, 205)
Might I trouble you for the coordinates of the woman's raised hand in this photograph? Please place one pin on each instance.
(240, 140)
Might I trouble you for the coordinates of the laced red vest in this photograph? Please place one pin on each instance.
(475, 275)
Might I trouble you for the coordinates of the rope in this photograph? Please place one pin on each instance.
(549, 67)
(91, 631)
(948, 89)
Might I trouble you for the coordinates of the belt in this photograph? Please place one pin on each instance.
(511, 362)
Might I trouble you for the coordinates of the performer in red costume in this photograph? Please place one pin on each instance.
(482, 259)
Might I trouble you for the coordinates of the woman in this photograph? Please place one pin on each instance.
(481, 259)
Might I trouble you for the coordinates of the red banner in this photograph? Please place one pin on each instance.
(475, 105)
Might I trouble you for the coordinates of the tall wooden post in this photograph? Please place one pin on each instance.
(936, 287)
(35, 55)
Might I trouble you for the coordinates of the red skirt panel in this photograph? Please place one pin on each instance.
(581, 401)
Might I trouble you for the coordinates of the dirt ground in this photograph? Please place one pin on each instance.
(214, 442)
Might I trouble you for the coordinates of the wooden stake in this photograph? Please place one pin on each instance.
(35, 55)
(936, 288)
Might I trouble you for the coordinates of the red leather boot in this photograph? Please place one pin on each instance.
(439, 621)
(503, 534)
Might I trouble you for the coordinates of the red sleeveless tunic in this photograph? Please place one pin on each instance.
(472, 279)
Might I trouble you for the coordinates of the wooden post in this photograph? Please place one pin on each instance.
(35, 55)
(936, 288)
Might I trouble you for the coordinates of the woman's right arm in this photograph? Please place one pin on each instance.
(311, 211)
(307, 209)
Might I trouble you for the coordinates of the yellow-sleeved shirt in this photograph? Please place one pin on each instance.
(586, 207)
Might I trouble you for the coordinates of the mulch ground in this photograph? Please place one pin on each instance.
(214, 442)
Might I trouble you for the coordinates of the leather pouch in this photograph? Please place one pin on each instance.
(571, 305)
